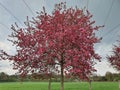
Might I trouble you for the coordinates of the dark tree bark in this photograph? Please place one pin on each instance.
(62, 73)
(62, 77)
(90, 85)
(49, 85)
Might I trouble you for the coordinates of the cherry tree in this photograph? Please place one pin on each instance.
(114, 59)
(63, 40)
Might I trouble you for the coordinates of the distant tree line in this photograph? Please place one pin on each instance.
(55, 78)
(8, 78)
(107, 77)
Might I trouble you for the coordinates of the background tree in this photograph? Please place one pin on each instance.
(63, 40)
(109, 76)
(114, 59)
(3, 77)
(116, 76)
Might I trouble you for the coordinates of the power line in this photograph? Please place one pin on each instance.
(119, 1)
(112, 37)
(111, 30)
(28, 7)
(4, 25)
(87, 4)
(110, 9)
(10, 12)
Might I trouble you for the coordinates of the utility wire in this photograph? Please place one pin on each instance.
(1, 24)
(10, 12)
(112, 37)
(28, 7)
(111, 30)
(110, 9)
(4, 25)
(119, 1)
(87, 4)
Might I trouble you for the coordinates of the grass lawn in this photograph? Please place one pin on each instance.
(56, 86)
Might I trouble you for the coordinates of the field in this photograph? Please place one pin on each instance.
(55, 86)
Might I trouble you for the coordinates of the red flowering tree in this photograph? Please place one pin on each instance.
(63, 40)
(114, 59)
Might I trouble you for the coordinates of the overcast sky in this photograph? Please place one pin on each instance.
(104, 12)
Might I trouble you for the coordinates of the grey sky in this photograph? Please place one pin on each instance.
(99, 8)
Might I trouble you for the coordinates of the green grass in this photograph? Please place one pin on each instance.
(56, 86)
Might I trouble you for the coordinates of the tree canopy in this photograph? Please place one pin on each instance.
(63, 40)
(114, 59)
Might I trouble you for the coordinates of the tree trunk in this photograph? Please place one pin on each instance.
(119, 84)
(49, 85)
(62, 77)
(90, 85)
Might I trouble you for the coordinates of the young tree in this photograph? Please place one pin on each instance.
(63, 40)
(114, 59)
